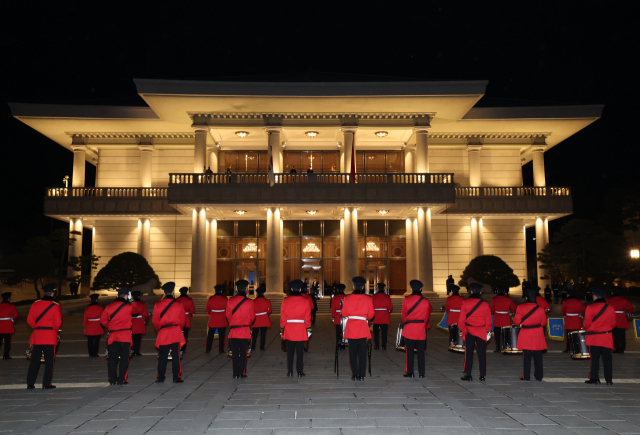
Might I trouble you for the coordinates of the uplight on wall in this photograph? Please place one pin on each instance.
(240, 212)
(635, 254)
(381, 133)
(311, 133)
(242, 133)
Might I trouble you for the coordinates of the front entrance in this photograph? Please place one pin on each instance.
(375, 272)
(249, 270)
(311, 274)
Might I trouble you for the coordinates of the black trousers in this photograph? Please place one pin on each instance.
(376, 330)
(292, 348)
(537, 364)
(263, 336)
(410, 345)
(93, 344)
(239, 353)
(566, 336)
(619, 339)
(472, 342)
(358, 356)
(137, 344)
(118, 368)
(607, 362)
(6, 339)
(185, 333)
(210, 336)
(497, 335)
(175, 361)
(313, 317)
(36, 354)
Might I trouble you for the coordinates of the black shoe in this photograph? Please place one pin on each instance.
(222, 351)
(523, 379)
(112, 383)
(289, 374)
(376, 348)
(353, 378)
(384, 347)
(361, 379)
(137, 354)
(159, 381)
(48, 387)
(609, 383)
(236, 377)
(421, 376)
(408, 375)
(208, 352)
(592, 381)
(301, 374)
(496, 351)
(482, 379)
(31, 387)
(178, 381)
(466, 378)
(6, 357)
(262, 348)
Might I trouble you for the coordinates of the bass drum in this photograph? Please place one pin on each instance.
(400, 346)
(456, 343)
(343, 326)
(577, 345)
(509, 343)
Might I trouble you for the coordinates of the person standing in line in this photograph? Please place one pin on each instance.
(45, 317)
(622, 307)
(530, 317)
(216, 309)
(383, 307)
(539, 299)
(295, 318)
(138, 322)
(453, 306)
(189, 311)
(599, 323)
(475, 323)
(415, 317)
(572, 309)
(501, 306)
(336, 310)
(92, 328)
(547, 294)
(8, 316)
(169, 320)
(263, 309)
(450, 282)
(240, 315)
(358, 309)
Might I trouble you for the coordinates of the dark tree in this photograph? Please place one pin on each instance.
(33, 263)
(490, 270)
(125, 270)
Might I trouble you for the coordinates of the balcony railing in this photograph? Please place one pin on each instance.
(311, 178)
(467, 192)
(106, 192)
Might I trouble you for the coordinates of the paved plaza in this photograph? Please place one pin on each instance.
(267, 402)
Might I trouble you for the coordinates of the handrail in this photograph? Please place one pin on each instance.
(304, 178)
(107, 192)
(464, 192)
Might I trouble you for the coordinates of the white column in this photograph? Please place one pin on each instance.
(274, 251)
(276, 148)
(212, 160)
(349, 151)
(343, 275)
(412, 251)
(146, 153)
(538, 165)
(477, 241)
(79, 157)
(409, 160)
(425, 252)
(524, 252)
(93, 252)
(350, 256)
(475, 175)
(199, 250)
(341, 163)
(422, 149)
(200, 148)
(281, 256)
(541, 242)
(144, 238)
(75, 250)
(212, 255)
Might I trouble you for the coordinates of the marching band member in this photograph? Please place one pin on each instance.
(383, 307)
(138, 322)
(622, 307)
(530, 317)
(216, 309)
(8, 316)
(358, 309)
(189, 311)
(240, 315)
(540, 300)
(45, 317)
(169, 320)
(415, 316)
(336, 302)
(92, 328)
(501, 306)
(262, 306)
(599, 323)
(572, 309)
(475, 324)
(295, 318)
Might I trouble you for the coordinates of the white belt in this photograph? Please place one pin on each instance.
(617, 312)
(218, 311)
(572, 314)
(11, 318)
(90, 320)
(295, 321)
(358, 318)
(260, 314)
(454, 311)
(338, 311)
(381, 309)
(502, 312)
(137, 317)
(187, 313)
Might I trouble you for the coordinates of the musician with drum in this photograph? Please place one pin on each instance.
(623, 309)
(599, 322)
(572, 310)
(501, 306)
(336, 310)
(240, 315)
(540, 300)
(475, 321)
(415, 316)
(8, 316)
(530, 318)
(295, 318)
(216, 309)
(138, 323)
(169, 320)
(262, 306)
(452, 307)
(357, 308)
(383, 307)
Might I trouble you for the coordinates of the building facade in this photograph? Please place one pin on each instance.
(437, 181)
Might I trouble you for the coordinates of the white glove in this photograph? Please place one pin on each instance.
(488, 336)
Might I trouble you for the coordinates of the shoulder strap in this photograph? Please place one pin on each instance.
(116, 311)
(415, 306)
(597, 316)
(238, 306)
(167, 308)
(45, 312)
(474, 308)
(526, 316)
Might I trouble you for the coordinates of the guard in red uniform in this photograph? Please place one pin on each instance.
(138, 322)
(189, 311)
(453, 305)
(599, 323)
(8, 316)
(572, 309)
(169, 320)
(540, 300)
(383, 307)
(415, 316)
(262, 306)
(336, 311)
(216, 309)
(305, 295)
(501, 306)
(92, 328)
(295, 318)
(475, 324)
(623, 308)
(358, 309)
(240, 315)
(530, 317)
(117, 318)
(45, 317)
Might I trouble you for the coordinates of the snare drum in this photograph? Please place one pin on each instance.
(343, 326)
(456, 343)
(510, 340)
(577, 346)
(400, 340)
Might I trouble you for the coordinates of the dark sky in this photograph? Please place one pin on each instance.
(540, 54)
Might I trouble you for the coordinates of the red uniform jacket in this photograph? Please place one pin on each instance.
(605, 324)
(571, 310)
(170, 326)
(92, 320)
(415, 331)
(240, 322)
(479, 323)
(8, 315)
(500, 307)
(541, 302)
(120, 325)
(359, 305)
(262, 306)
(295, 317)
(189, 308)
(453, 306)
(52, 321)
(335, 308)
(533, 338)
(383, 307)
(620, 305)
(310, 299)
(217, 309)
(138, 321)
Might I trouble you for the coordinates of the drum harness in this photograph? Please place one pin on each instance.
(526, 316)
(165, 312)
(116, 312)
(596, 317)
(473, 311)
(45, 328)
(234, 311)
(410, 311)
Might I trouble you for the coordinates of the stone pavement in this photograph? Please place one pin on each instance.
(267, 402)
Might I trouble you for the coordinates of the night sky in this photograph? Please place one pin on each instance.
(547, 53)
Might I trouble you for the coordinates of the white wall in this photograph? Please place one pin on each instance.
(121, 168)
(456, 161)
(113, 237)
(500, 167)
(171, 250)
(503, 237)
(167, 161)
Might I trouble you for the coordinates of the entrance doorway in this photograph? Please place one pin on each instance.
(249, 270)
(376, 272)
(311, 273)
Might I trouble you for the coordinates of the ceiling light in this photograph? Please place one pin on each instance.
(371, 246)
(311, 212)
(311, 133)
(250, 247)
(381, 133)
(382, 212)
(240, 212)
(242, 133)
(311, 247)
